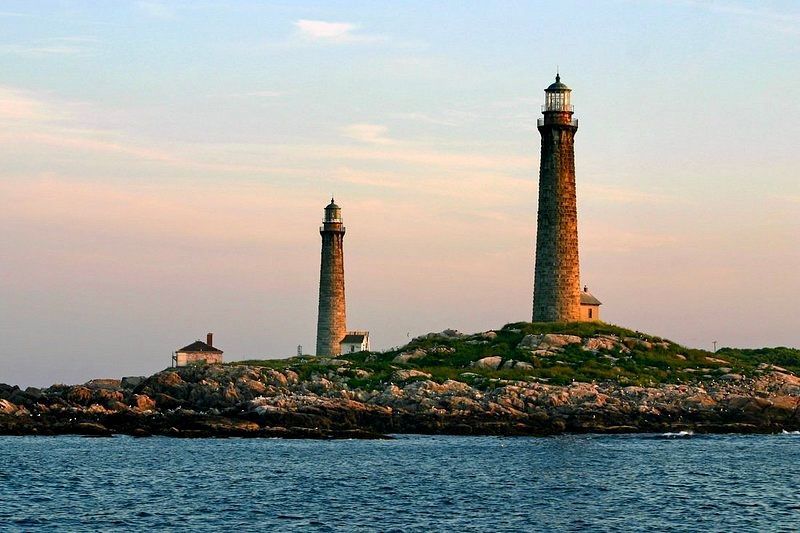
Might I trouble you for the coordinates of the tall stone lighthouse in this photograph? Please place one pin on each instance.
(331, 321)
(556, 285)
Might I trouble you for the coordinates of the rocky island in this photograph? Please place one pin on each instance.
(522, 379)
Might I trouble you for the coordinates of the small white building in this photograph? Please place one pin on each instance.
(355, 341)
(198, 352)
(590, 306)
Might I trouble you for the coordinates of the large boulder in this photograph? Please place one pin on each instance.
(80, 395)
(231, 394)
(142, 402)
(327, 361)
(441, 349)
(108, 397)
(731, 377)
(103, 384)
(131, 382)
(405, 357)
(445, 334)
(29, 396)
(530, 342)
(278, 379)
(519, 365)
(168, 379)
(169, 383)
(595, 344)
(92, 429)
(165, 401)
(251, 387)
(492, 362)
(34, 393)
(405, 375)
(549, 341)
(637, 344)
(7, 407)
(6, 390)
(556, 340)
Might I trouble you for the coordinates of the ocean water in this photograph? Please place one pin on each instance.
(413, 483)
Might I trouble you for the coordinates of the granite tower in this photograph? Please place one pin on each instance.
(331, 321)
(556, 285)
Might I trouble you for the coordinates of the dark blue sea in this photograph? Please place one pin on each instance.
(413, 483)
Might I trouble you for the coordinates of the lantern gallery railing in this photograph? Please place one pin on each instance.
(558, 107)
(327, 227)
(572, 122)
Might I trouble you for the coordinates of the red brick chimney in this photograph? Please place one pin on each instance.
(209, 339)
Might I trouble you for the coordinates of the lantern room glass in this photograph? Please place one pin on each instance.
(557, 101)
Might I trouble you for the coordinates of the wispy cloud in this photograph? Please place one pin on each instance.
(425, 118)
(153, 211)
(49, 47)
(333, 32)
(42, 123)
(520, 112)
(157, 10)
(19, 105)
(607, 238)
(32, 119)
(621, 195)
(258, 94)
(421, 156)
(70, 142)
(791, 198)
(368, 133)
(785, 21)
(484, 187)
(38, 50)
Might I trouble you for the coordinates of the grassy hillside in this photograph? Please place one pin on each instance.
(626, 357)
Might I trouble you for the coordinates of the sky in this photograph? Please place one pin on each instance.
(164, 168)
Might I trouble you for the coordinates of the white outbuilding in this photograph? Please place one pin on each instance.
(355, 341)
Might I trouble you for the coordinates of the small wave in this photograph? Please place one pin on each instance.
(784, 432)
(678, 435)
(290, 517)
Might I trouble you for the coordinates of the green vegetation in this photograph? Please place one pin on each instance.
(749, 359)
(627, 357)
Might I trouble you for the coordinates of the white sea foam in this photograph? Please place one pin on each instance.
(784, 432)
(679, 434)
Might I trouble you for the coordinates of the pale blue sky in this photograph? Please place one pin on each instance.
(164, 165)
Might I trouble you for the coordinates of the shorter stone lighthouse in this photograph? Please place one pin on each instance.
(331, 321)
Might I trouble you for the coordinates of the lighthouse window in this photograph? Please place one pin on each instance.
(590, 313)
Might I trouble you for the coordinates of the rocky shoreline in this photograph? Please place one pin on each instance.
(253, 401)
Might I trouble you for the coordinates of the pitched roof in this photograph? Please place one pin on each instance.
(199, 346)
(588, 299)
(354, 337)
